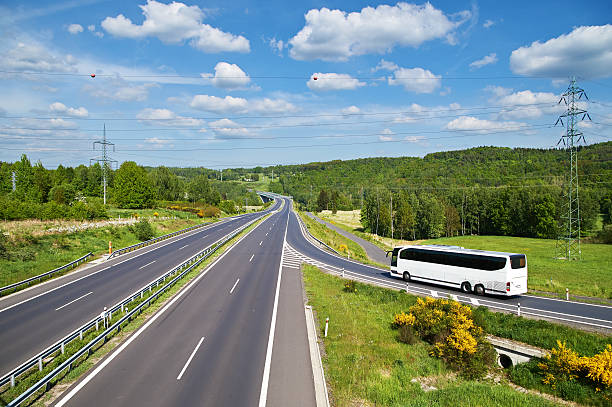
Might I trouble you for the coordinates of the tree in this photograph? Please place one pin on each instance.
(322, 201)
(167, 186)
(200, 189)
(431, 220)
(452, 220)
(132, 187)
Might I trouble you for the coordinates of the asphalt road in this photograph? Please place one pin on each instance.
(374, 252)
(210, 344)
(33, 320)
(594, 316)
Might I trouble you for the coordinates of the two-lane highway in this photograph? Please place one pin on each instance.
(213, 343)
(31, 324)
(590, 315)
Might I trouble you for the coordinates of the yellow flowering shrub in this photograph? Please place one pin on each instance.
(449, 327)
(564, 364)
(403, 319)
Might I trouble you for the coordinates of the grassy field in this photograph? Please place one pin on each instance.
(32, 254)
(591, 276)
(366, 365)
(337, 241)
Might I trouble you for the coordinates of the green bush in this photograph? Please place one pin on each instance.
(142, 230)
(228, 207)
(407, 335)
(211, 212)
(522, 375)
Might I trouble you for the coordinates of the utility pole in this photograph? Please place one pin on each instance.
(568, 243)
(391, 205)
(106, 161)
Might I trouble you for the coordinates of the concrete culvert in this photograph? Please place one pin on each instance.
(504, 361)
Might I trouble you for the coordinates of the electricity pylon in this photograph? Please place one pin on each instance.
(106, 161)
(568, 242)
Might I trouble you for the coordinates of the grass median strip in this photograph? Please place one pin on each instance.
(367, 365)
(112, 340)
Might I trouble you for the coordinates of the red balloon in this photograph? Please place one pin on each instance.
(93, 75)
(315, 78)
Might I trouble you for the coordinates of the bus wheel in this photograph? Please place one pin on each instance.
(479, 290)
(466, 287)
(406, 276)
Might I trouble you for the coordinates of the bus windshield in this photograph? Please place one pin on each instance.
(394, 257)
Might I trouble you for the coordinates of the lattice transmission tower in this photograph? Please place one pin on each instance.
(107, 162)
(568, 242)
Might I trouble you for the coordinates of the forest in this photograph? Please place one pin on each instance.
(77, 193)
(483, 190)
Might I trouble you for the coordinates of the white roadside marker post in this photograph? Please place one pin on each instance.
(326, 325)
(567, 294)
(518, 309)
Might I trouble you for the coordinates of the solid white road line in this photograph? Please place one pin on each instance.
(181, 248)
(82, 296)
(263, 395)
(474, 301)
(234, 286)
(252, 255)
(136, 334)
(189, 360)
(148, 264)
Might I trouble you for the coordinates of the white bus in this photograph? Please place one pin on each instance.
(469, 270)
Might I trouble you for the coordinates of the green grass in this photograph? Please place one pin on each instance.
(33, 255)
(336, 240)
(85, 363)
(366, 364)
(591, 276)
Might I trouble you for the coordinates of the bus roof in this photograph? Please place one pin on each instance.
(457, 249)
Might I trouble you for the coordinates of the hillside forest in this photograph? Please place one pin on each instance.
(478, 191)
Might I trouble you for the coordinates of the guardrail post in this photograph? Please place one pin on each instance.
(13, 380)
(121, 308)
(141, 294)
(63, 349)
(81, 335)
(96, 324)
(40, 366)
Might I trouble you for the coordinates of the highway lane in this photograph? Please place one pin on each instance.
(28, 327)
(209, 346)
(594, 316)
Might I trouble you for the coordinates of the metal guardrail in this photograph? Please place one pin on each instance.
(155, 240)
(38, 360)
(48, 273)
(305, 228)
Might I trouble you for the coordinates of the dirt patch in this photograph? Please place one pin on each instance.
(431, 383)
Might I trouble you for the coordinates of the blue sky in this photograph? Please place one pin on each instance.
(232, 84)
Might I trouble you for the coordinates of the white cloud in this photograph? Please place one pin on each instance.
(228, 76)
(35, 57)
(226, 128)
(338, 35)
(277, 46)
(271, 106)
(585, 52)
(385, 65)
(470, 123)
(174, 23)
(414, 139)
(230, 104)
(216, 104)
(58, 107)
(386, 135)
(417, 80)
(524, 104)
(75, 28)
(120, 90)
(351, 110)
(333, 81)
(488, 23)
(165, 117)
(92, 28)
(487, 60)
(157, 142)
